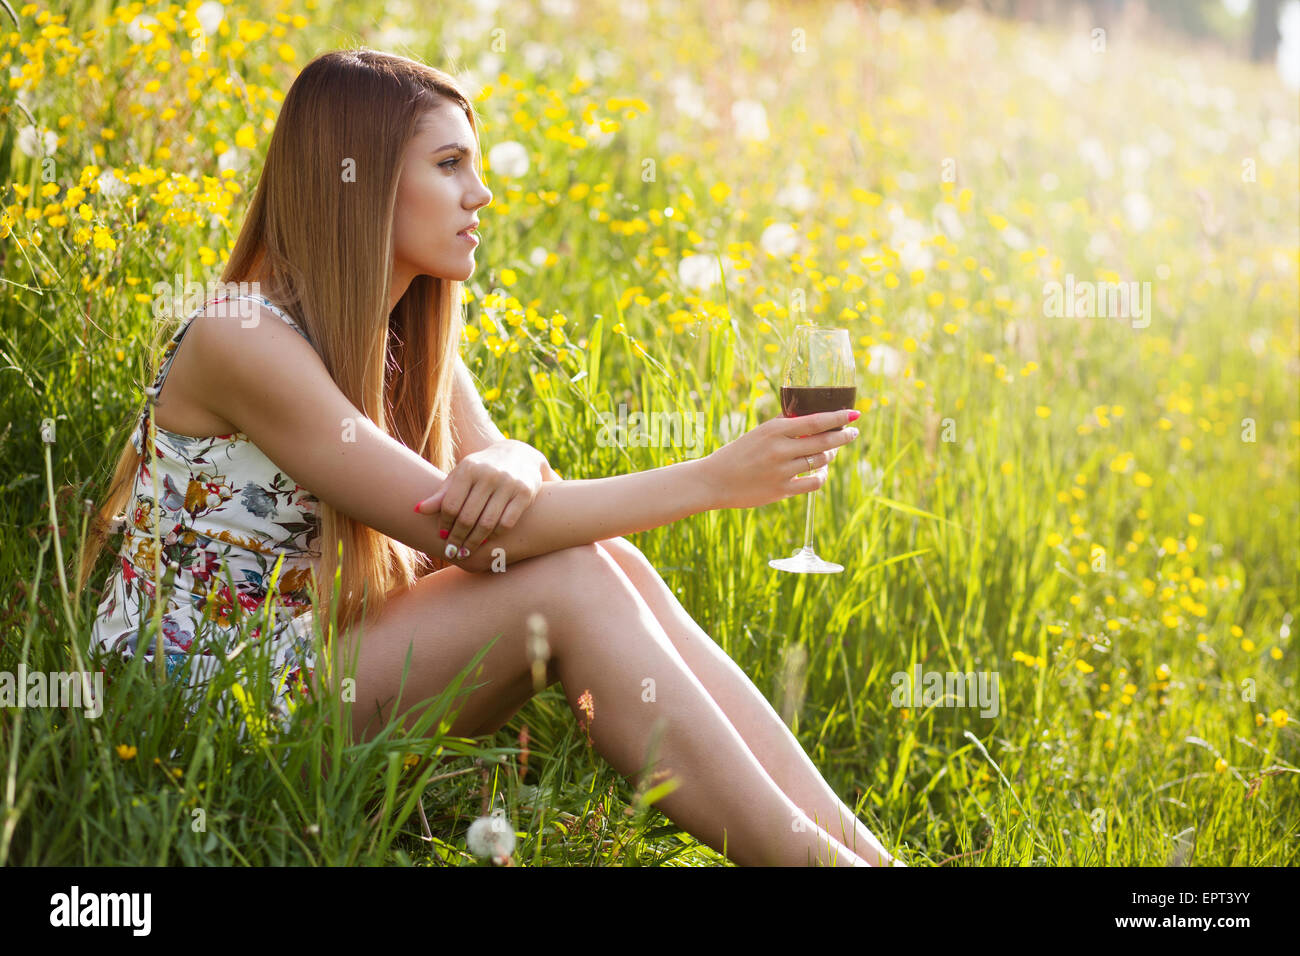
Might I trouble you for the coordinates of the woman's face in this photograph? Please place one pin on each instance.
(438, 195)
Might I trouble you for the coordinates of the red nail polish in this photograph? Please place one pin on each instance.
(854, 415)
(417, 507)
(443, 533)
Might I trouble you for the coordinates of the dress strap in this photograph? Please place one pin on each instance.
(273, 307)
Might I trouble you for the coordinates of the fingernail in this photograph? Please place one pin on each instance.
(450, 552)
(852, 432)
(854, 414)
(464, 552)
(443, 533)
(417, 505)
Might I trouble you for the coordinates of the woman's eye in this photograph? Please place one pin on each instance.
(452, 163)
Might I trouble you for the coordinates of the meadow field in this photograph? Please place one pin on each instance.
(1069, 261)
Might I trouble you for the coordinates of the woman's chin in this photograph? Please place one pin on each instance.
(460, 274)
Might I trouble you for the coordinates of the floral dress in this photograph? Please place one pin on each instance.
(233, 528)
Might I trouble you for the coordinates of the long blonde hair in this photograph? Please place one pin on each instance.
(321, 244)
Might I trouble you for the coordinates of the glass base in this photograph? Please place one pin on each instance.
(805, 561)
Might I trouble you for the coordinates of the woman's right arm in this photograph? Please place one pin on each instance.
(269, 383)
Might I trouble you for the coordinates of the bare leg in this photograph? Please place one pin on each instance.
(761, 727)
(605, 640)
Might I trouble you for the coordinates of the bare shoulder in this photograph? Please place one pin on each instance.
(243, 353)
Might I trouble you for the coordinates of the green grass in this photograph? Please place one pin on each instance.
(1126, 564)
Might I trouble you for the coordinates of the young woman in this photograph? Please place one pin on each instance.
(343, 371)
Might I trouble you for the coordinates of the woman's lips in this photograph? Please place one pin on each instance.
(469, 236)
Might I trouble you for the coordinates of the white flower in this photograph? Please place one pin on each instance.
(796, 196)
(884, 361)
(598, 137)
(491, 836)
(635, 11)
(1094, 154)
(138, 29)
(750, 119)
(699, 272)
(36, 144)
(112, 185)
(1099, 246)
(210, 15)
(780, 240)
(688, 99)
(537, 56)
(1014, 238)
(538, 257)
(490, 66)
(949, 221)
(232, 159)
(606, 62)
(1288, 51)
(392, 37)
(1137, 210)
(509, 159)
(913, 255)
(907, 238)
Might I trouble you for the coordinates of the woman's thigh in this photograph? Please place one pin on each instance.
(445, 618)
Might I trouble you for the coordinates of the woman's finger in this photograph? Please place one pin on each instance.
(431, 504)
(467, 517)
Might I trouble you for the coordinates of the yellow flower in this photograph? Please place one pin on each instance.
(1054, 539)
(1007, 468)
(1247, 645)
(508, 277)
(1220, 765)
(1162, 672)
(1142, 479)
(1236, 631)
(1278, 717)
(1042, 411)
(1195, 520)
(1084, 666)
(719, 192)
(1276, 653)
(126, 751)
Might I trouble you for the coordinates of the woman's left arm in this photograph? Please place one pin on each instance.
(494, 478)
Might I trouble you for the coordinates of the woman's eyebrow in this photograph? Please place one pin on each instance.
(462, 149)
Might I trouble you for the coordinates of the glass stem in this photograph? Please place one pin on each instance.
(808, 523)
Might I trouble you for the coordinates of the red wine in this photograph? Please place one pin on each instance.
(807, 400)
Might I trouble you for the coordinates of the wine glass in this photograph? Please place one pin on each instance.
(819, 376)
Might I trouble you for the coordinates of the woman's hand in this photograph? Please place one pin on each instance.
(760, 466)
(486, 490)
